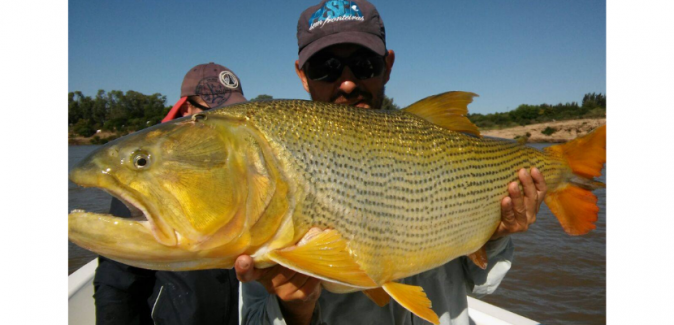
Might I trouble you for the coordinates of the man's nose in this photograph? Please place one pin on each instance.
(347, 81)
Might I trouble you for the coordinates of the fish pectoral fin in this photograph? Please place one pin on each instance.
(479, 257)
(414, 299)
(448, 110)
(324, 256)
(378, 295)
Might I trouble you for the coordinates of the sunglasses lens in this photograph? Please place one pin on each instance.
(329, 68)
(324, 69)
(367, 67)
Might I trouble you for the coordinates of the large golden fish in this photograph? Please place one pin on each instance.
(386, 194)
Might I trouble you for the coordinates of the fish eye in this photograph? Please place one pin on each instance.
(141, 159)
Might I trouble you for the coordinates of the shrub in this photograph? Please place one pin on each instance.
(549, 131)
(84, 128)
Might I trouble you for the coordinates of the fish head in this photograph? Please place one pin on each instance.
(189, 178)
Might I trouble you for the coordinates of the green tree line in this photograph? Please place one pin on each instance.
(121, 113)
(114, 111)
(592, 106)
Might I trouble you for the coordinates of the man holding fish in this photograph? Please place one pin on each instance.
(343, 59)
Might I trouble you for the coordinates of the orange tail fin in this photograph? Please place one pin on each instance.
(573, 203)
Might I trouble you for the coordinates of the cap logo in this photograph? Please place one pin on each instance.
(228, 79)
(333, 11)
(212, 91)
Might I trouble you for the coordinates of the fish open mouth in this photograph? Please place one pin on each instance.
(137, 210)
(139, 213)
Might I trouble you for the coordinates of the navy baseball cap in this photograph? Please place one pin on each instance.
(339, 21)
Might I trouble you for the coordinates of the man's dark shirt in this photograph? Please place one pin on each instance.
(134, 296)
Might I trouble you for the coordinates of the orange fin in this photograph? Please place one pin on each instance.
(324, 256)
(379, 296)
(414, 299)
(447, 110)
(585, 155)
(479, 258)
(572, 202)
(575, 208)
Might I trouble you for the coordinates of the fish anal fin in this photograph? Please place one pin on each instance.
(378, 295)
(479, 257)
(575, 208)
(414, 299)
(448, 110)
(324, 256)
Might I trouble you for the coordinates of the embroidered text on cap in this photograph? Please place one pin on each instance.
(332, 11)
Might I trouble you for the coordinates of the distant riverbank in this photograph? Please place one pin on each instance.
(98, 138)
(557, 131)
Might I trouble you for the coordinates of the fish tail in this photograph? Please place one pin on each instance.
(573, 202)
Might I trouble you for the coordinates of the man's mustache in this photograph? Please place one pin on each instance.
(356, 94)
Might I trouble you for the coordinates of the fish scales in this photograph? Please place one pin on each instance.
(404, 192)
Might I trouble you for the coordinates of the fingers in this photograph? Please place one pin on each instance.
(530, 201)
(245, 270)
(519, 206)
(507, 218)
(519, 209)
(287, 284)
(290, 285)
(541, 188)
(507, 212)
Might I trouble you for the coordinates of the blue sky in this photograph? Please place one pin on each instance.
(509, 52)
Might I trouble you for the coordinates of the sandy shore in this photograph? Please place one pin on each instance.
(566, 130)
(76, 140)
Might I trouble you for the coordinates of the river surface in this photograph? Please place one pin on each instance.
(555, 278)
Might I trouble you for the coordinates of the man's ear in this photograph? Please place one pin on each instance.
(300, 73)
(388, 60)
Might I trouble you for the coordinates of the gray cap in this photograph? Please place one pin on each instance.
(215, 84)
(335, 22)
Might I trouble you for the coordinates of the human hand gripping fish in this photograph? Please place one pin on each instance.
(391, 193)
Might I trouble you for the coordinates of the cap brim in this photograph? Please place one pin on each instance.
(174, 110)
(372, 42)
(235, 98)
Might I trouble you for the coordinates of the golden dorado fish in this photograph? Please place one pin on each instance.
(386, 194)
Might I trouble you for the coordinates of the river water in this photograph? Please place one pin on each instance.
(555, 278)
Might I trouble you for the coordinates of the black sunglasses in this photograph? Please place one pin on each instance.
(327, 67)
(197, 105)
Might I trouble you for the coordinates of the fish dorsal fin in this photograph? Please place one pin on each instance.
(448, 110)
(414, 299)
(324, 256)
